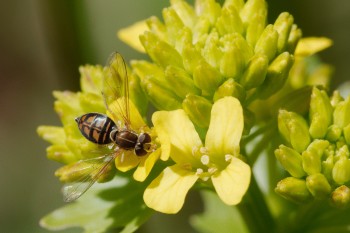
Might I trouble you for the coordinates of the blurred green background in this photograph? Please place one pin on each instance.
(42, 43)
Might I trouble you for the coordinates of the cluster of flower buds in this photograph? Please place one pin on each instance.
(203, 53)
(317, 153)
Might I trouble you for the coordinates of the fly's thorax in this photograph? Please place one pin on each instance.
(125, 139)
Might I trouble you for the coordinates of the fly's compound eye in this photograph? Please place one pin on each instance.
(143, 145)
(144, 138)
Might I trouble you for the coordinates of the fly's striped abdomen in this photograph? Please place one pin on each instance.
(96, 127)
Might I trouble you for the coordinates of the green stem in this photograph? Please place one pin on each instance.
(255, 211)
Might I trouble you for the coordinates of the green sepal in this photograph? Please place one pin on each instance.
(161, 98)
(318, 186)
(327, 167)
(173, 24)
(184, 11)
(341, 171)
(67, 106)
(276, 76)
(341, 114)
(312, 162)
(283, 26)
(293, 189)
(238, 4)
(267, 43)
(229, 21)
(290, 160)
(320, 113)
(251, 8)
(161, 52)
(157, 27)
(333, 133)
(191, 57)
(236, 54)
(255, 73)
(181, 82)
(91, 78)
(60, 153)
(198, 109)
(255, 28)
(208, 9)
(91, 102)
(206, 78)
(346, 133)
(294, 37)
(230, 88)
(137, 95)
(340, 197)
(212, 51)
(52, 134)
(294, 129)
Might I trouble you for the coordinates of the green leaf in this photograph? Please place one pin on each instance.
(116, 204)
(217, 216)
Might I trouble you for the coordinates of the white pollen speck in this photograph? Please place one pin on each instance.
(205, 159)
(199, 171)
(194, 150)
(228, 157)
(211, 170)
(203, 150)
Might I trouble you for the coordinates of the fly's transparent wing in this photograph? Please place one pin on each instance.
(116, 86)
(97, 167)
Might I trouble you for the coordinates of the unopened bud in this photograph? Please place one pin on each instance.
(161, 98)
(320, 113)
(341, 115)
(180, 81)
(230, 88)
(333, 133)
(206, 78)
(290, 160)
(229, 21)
(318, 186)
(293, 189)
(277, 74)
(160, 52)
(312, 156)
(294, 129)
(341, 171)
(198, 109)
(255, 73)
(283, 26)
(267, 43)
(340, 197)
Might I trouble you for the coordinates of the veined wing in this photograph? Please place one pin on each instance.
(116, 86)
(97, 167)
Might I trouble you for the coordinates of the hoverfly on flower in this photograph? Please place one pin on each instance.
(103, 130)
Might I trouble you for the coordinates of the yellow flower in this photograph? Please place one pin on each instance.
(128, 160)
(217, 161)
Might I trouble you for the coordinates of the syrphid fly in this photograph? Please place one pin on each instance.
(103, 130)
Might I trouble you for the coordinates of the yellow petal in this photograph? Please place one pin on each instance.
(232, 183)
(225, 128)
(167, 192)
(311, 45)
(130, 35)
(126, 161)
(176, 129)
(118, 112)
(146, 165)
